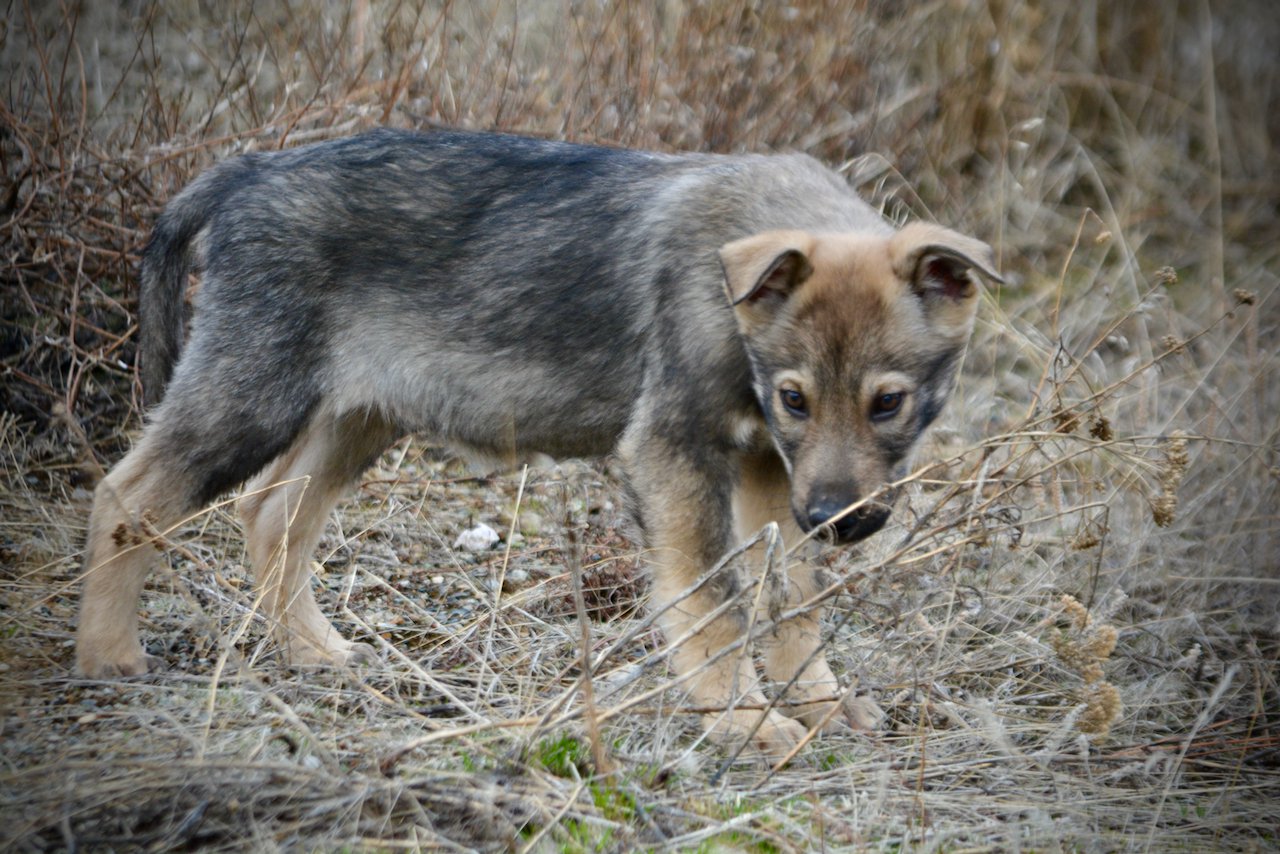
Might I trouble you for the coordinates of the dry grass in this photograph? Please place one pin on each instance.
(1073, 623)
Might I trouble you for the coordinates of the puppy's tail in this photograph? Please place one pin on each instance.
(165, 263)
(169, 256)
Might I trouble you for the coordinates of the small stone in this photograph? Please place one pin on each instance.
(477, 539)
(530, 523)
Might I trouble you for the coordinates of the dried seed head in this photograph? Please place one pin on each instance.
(1075, 657)
(1244, 297)
(1163, 508)
(1166, 276)
(1064, 646)
(1067, 420)
(1103, 708)
(1086, 539)
(1102, 642)
(1100, 427)
(1175, 464)
(1173, 344)
(1177, 453)
(1172, 470)
(1077, 613)
(1083, 648)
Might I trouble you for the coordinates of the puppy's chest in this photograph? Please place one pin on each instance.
(748, 430)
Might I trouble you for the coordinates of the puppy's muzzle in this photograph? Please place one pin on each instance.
(855, 525)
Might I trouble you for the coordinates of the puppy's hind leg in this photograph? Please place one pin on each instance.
(221, 421)
(285, 509)
(143, 495)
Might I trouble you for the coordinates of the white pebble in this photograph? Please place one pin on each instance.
(476, 539)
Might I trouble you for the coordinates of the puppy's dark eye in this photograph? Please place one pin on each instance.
(885, 406)
(793, 401)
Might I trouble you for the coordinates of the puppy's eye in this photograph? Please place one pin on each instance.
(885, 406)
(793, 401)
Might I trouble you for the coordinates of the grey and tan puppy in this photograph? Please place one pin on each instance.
(752, 340)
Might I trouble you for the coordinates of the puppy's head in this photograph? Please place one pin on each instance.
(854, 342)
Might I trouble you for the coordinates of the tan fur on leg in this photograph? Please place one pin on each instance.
(285, 509)
(687, 520)
(730, 682)
(118, 557)
(793, 648)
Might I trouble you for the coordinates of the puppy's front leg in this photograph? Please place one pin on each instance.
(793, 649)
(686, 512)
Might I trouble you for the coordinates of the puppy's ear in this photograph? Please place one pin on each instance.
(938, 265)
(761, 271)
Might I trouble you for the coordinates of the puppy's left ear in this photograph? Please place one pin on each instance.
(938, 264)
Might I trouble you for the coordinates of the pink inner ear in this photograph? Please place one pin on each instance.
(787, 271)
(772, 285)
(949, 277)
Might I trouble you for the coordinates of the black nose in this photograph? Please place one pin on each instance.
(853, 526)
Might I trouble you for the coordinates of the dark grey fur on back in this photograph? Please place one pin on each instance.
(475, 287)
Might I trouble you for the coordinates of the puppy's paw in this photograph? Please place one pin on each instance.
(768, 733)
(862, 713)
(336, 652)
(135, 663)
(778, 735)
(362, 655)
(854, 713)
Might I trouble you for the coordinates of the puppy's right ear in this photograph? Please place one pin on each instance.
(761, 271)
